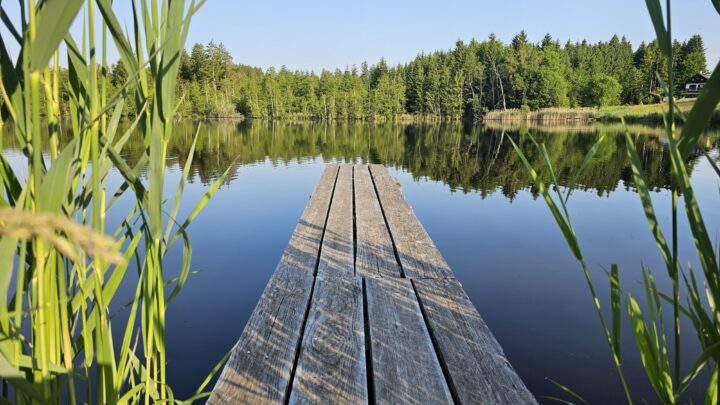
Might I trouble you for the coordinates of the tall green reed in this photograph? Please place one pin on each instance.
(653, 341)
(56, 338)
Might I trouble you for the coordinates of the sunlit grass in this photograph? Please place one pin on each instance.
(643, 113)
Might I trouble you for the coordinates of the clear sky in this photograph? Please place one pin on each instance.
(317, 34)
(327, 34)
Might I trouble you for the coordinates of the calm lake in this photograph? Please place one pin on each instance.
(474, 197)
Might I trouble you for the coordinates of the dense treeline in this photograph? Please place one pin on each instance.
(464, 82)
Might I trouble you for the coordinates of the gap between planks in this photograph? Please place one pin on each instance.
(338, 263)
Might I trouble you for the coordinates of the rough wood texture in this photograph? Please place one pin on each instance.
(337, 253)
(331, 364)
(375, 256)
(346, 320)
(418, 255)
(405, 367)
(478, 371)
(260, 367)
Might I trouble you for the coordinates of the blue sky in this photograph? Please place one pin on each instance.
(327, 34)
(317, 34)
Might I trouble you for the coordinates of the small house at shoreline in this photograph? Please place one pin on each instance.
(693, 85)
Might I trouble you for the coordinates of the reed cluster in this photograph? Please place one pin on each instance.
(693, 295)
(555, 115)
(60, 266)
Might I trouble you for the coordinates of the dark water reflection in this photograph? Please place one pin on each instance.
(469, 159)
(474, 196)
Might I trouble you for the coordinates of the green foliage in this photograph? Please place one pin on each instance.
(659, 346)
(602, 90)
(690, 59)
(463, 82)
(56, 339)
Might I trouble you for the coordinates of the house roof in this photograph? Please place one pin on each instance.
(698, 77)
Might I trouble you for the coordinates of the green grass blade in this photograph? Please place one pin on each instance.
(131, 176)
(555, 183)
(711, 394)
(9, 25)
(564, 227)
(616, 305)
(10, 181)
(650, 359)
(703, 244)
(568, 390)
(586, 161)
(155, 188)
(11, 81)
(184, 268)
(125, 399)
(132, 179)
(56, 182)
(53, 22)
(8, 247)
(181, 185)
(127, 55)
(119, 272)
(698, 366)
(199, 207)
(199, 394)
(700, 114)
(126, 353)
(647, 203)
(656, 15)
(713, 164)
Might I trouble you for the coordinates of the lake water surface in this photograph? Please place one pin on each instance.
(474, 197)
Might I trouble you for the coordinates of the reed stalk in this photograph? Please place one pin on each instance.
(653, 342)
(53, 225)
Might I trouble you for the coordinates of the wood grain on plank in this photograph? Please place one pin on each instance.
(478, 369)
(417, 253)
(337, 253)
(331, 365)
(405, 367)
(259, 369)
(375, 256)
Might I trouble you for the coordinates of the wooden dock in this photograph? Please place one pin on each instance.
(362, 308)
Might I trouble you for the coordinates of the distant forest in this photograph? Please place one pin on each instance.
(464, 82)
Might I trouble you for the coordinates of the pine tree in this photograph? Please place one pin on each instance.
(692, 59)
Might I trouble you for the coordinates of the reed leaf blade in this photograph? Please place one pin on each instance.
(53, 22)
(700, 114)
(656, 15)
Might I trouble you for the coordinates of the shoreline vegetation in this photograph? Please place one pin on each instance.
(682, 293)
(468, 82)
(638, 114)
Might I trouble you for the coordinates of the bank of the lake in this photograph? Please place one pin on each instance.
(578, 117)
(644, 113)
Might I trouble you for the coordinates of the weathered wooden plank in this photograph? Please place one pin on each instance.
(375, 256)
(426, 343)
(405, 369)
(260, 367)
(417, 253)
(337, 253)
(331, 364)
(478, 371)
